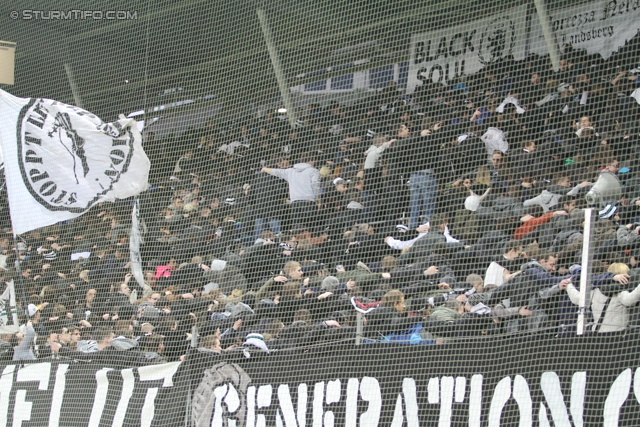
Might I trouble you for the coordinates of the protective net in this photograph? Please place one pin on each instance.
(336, 213)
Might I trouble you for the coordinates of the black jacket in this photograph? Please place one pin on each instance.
(386, 320)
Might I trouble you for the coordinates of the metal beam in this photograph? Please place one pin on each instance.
(285, 92)
(119, 25)
(549, 34)
(585, 272)
(77, 99)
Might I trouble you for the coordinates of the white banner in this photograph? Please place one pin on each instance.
(60, 160)
(600, 26)
(444, 54)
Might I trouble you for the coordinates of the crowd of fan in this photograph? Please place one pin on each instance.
(453, 211)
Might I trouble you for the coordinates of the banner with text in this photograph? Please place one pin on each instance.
(490, 382)
(600, 26)
(442, 55)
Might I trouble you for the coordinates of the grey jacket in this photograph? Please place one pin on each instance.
(23, 351)
(122, 343)
(626, 236)
(549, 198)
(445, 314)
(423, 246)
(303, 179)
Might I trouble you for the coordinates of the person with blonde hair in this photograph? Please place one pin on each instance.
(610, 304)
(291, 273)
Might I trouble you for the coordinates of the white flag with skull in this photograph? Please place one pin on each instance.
(61, 160)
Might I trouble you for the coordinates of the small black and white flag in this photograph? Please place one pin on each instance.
(61, 160)
(8, 312)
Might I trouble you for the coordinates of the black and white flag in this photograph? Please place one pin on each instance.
(8, 311)
(60, 160)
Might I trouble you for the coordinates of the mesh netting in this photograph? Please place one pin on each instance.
(320, 213)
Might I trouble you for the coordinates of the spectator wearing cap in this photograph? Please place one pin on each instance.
(256, 341)
(227, 277)
(34, 313)
(330, 298)
(304, 189)
(352, 212)
(450, 312)
(609, 212)
(467, 225)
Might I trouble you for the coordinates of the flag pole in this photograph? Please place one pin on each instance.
(585, 272)
(18, 268)
(135, 240)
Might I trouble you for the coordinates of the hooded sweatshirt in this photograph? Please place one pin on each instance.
(445, 314)
(122, 343)
(303, 179)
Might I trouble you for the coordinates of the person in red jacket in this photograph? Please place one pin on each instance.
(165, 270)
(533, 220)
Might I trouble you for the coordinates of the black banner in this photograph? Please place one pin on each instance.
(519, 381)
